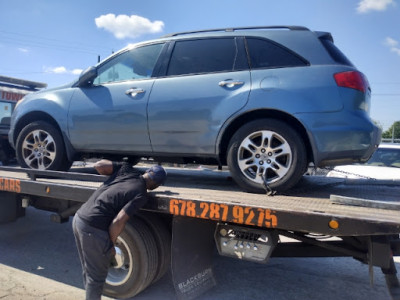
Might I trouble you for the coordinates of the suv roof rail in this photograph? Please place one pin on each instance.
(239, 28)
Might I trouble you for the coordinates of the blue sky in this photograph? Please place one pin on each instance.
(52, 41)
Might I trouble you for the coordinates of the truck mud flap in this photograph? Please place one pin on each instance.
(10, 207)
(193, 248)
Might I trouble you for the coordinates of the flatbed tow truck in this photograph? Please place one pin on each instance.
(200, 210)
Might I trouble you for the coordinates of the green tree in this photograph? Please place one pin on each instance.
(393, 130)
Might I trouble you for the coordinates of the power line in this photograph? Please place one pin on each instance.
(373, 83)
(27, 40)
(36, 37)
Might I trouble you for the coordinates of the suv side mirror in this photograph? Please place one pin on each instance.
(87, 77)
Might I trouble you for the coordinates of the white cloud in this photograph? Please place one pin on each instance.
(365, 6)
(391, 42)
(396, 50)
(76, 71)
(123, 26)
(62, 70)
(57, 70)
(23, 50)
(393, 45)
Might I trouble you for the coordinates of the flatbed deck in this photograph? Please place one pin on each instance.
(208, 194)
(363, 216)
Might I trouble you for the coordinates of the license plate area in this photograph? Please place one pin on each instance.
(245, 243)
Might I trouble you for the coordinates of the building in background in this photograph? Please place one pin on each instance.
(11, 91)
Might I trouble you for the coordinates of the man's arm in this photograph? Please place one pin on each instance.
(118, 225)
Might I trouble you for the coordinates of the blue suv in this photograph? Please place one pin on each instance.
(266, 101)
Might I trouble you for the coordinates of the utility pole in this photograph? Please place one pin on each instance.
(393, 134)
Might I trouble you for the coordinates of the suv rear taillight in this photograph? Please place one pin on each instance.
(352, 79)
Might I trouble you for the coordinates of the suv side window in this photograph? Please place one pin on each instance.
(335, 53)
(203, 56)
(265, 54)
(137, 63)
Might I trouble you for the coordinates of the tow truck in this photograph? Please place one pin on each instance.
(198, 211)
(11, 91)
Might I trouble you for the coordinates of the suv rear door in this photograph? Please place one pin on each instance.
(206, 81)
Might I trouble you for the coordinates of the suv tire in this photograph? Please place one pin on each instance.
(40, 146)
(269, 147)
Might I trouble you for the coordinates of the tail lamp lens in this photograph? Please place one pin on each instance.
(353, 80)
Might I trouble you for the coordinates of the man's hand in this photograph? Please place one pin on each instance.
(113, 252)
(113, 260)
(104, 167)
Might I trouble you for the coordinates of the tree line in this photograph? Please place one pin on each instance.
(393, 132)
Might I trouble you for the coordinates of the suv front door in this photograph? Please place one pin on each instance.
(207, 80)
(111, 114)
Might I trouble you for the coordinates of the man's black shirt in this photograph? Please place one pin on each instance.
(125, 189)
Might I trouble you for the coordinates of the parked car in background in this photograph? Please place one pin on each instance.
(266, 101)
(384, 164)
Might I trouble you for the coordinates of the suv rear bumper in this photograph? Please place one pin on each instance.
(353, 140)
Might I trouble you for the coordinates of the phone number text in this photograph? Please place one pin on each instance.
(223, 212)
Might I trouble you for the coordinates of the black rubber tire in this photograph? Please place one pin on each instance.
(163, 237)
(60, 161)
(142, 247)
(8, 207)
(297, 148)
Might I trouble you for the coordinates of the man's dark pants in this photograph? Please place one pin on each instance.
(94, 247)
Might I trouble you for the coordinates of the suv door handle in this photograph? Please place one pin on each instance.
(230, 83)
(133, 92)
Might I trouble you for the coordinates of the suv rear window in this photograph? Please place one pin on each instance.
(265, 54)
(203, 56)
(335, 53)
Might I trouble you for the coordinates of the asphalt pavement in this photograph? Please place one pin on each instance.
(38, 260)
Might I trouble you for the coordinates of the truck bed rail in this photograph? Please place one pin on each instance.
(212, 195)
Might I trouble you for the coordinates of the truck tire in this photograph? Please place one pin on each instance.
(163, 237)
(40, 146)
(10, 208)
(269, 147)
(137, 261)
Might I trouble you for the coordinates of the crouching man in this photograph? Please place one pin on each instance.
(100, 220)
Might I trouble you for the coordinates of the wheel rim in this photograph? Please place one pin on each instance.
(120, 273)
(264, 153)
(39, 150)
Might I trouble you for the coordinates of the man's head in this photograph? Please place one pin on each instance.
(155, 176)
